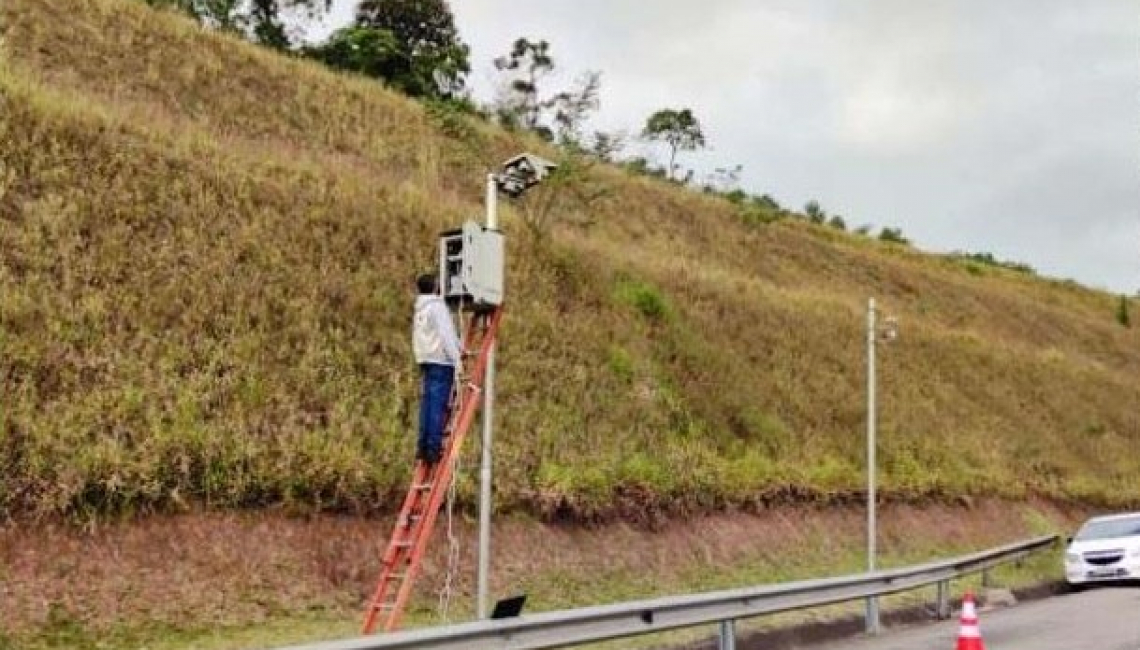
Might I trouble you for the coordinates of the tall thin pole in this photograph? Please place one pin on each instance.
(872, 602)
(492, 201)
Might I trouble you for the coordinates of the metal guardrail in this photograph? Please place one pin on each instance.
(574, 626)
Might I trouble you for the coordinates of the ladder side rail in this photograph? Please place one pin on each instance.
(401, 531)
(426, 525)
(395, 552)
(423, 536)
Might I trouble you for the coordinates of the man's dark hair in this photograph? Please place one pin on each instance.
(426, 284)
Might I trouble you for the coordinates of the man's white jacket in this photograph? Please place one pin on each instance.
(433, 332)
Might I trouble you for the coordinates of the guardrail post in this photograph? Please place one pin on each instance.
(727, 640)
(987, 579)
(872, 615)
(943, 605)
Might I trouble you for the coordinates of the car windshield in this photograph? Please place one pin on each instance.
(1110, 528)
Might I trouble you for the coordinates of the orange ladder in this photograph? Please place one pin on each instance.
(401, 561)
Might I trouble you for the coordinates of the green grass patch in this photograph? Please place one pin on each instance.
(644, 298)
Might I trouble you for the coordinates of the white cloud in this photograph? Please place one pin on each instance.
(886, 114)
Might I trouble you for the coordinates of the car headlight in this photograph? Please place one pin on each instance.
(1073, 557)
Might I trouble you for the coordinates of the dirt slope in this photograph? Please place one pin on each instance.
(195, 572)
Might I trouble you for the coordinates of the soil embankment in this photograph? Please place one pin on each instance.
(223, 570)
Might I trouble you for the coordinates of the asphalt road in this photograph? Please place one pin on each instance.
(1098, 619)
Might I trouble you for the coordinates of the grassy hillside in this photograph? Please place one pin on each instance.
(205, 258)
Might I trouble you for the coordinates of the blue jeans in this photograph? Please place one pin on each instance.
(437, 383)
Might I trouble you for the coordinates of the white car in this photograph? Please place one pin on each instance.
(1104, 549)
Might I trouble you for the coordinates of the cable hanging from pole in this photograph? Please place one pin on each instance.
(452, 563)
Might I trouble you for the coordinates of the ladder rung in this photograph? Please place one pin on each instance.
(422, 486)
(394, 559)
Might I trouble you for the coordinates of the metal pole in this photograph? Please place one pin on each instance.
(492, 201)
(483, 577)
(727, 638)
(872, 601)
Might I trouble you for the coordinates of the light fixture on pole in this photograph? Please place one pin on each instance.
(519, 174)
(888, 332)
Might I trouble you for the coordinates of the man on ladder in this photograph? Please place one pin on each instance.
(471, 265)
(437, 351)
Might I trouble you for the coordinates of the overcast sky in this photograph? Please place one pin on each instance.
(1009, 127)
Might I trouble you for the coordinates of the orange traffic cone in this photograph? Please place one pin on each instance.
(969, 635)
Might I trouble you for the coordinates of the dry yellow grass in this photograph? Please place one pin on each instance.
(205, 256)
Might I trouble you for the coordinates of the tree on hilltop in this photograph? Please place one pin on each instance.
(528, 61)
(606, 146)
(815, 213)
(559, 116)
(261, 21)
(366, 51)
(1122, 315)
(678, 129)
(894, 236)
(413, 45)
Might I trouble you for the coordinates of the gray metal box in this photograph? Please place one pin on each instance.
(471, 266)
